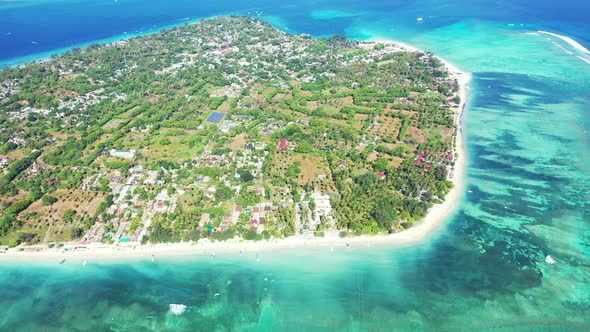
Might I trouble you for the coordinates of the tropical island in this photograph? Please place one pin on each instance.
(224, 130)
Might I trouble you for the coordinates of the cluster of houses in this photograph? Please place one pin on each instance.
(257, 214)
(323, 209)
(25, 112)
(124, 210)
(8, 88)
(128, 206)
(3, 160)
(89, 99)
(421, 160)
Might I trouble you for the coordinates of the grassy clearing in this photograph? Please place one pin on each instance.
(386, 127)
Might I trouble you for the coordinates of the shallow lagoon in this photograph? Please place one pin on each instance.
(527, 194)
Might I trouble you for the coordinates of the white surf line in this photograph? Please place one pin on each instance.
(586, 61)
(568, 40)
(562, 48)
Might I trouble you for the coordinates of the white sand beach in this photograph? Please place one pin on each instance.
(421, 231)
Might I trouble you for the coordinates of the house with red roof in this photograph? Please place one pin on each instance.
(380, 175)
(421, 155)
(283, 144)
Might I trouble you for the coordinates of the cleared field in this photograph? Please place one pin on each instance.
(447, 134)
(190, 200)
(417, 134)
(395, 162)
(17, 154)
(46, 221)
(239, 142)
(83, 202)
(361, 117)
(133, 140)
(313, 170)
(225, 107)
(170, 144)
(386, 127)
(113, 123)
(62, 138)
(174, 151)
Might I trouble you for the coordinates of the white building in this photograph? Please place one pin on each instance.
(125, 154)
(323, 207)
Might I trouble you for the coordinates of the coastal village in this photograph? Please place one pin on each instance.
(271, 142)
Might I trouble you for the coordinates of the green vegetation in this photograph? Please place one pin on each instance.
(112, 142)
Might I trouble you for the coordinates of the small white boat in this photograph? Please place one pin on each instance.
(177, 309)
(550, 260)
(420, 19)
(84, 263)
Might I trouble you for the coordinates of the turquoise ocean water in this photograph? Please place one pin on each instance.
(527, 192)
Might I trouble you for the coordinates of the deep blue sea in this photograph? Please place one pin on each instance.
(527, 195)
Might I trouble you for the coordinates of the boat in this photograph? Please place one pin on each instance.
(84, 263)
(177, 309)
(62, 261)
(420, 19)
(550, 260)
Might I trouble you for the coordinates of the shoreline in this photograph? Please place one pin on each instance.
(436, 218)
(42, 56)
